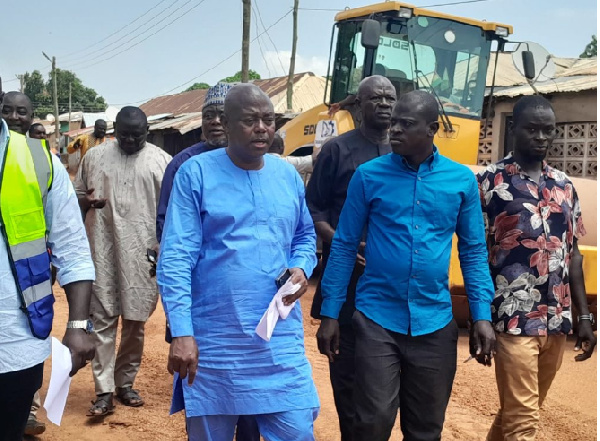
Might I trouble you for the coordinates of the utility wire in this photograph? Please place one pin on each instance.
(114, 33)
(426, 6)
(229, 57)
(269, 37)
(111, 56)
(258, 41)
(123, 43)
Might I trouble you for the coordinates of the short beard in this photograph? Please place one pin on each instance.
(216, 144)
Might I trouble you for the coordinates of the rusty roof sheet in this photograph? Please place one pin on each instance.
(572, 75)
(183, 123)
(559, 84)
(191, 102)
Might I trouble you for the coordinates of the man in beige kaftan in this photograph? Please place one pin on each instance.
(118, 185)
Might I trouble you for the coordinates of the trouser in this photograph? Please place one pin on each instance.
(412, 373)
(341, 374)
(247, 429)
(120, 372)
(525, 369)
(296, 425)
(16, 394)
(35, 404)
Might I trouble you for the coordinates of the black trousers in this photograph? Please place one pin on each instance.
(341, 374)
(247, 429)
(414, 374)
(16, 394)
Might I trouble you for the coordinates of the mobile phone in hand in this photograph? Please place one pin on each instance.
(283, 278)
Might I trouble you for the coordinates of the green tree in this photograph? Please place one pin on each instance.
(35, 89)
(590, 49)
(83, 98)
(197, 86)
(252, 75)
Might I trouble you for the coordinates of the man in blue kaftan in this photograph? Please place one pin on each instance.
(236, 219)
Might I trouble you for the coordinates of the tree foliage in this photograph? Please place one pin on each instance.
(84, 99)
(252, 75)
(197, 86)
(590, 49)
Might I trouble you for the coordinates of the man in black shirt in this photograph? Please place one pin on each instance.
(325, 197)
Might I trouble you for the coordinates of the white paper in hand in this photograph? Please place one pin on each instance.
(59, 382)
(276, 310)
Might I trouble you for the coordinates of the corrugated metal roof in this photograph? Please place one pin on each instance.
(183, 123)
(307, 94)
(561, 84)
(572, 75)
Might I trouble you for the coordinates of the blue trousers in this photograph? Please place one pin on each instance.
(296, 425)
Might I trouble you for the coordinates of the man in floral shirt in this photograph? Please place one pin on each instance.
(533, 219)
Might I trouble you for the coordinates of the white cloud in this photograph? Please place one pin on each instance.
(275, 61)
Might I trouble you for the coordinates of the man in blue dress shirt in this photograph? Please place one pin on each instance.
(410, 202)
(236, 218)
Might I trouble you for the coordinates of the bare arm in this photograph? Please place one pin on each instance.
(577, 285)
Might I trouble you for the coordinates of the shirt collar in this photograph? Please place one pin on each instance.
(430, 163)
(4, 135)
(515, 169)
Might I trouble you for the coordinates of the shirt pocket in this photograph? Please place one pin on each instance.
(28, 224)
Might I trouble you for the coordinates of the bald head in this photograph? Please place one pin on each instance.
(243, 95)
(17, 111)
(368, 84)
(129, 113)
(422, 103)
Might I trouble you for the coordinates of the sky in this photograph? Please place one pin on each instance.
(130, 51)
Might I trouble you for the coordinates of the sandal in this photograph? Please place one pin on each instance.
(129, 397)
(102, 406)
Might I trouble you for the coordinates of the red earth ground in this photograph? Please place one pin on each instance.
(570, 412)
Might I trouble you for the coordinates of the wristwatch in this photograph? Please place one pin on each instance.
(86, 325)
(589, 317)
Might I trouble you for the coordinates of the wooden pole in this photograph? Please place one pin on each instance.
(290, 81)
(21, 79)
(55, 93)
(247, 10)
(69, 129)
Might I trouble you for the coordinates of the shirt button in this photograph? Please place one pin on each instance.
(420, 178)
(416, 227)
(418, 202)
(414, 276)
(416, 251)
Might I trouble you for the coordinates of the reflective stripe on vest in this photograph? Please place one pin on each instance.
(25, 179)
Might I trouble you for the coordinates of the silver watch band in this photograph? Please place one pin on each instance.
(77, 324)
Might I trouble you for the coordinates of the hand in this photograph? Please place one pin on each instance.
(360, 256)
(183, 358)
(333, 109)
(81, 346)
(585, 339)
(485, 342)
(298, 277)
(91, 202)
(328, 338)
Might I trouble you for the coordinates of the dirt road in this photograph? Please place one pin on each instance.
(569, 414)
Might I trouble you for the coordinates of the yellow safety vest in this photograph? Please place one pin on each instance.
(25, 180)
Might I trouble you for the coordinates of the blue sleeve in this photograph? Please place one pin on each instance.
(304, 244)
(472, 252)
(180, 248)
(67, 238)
(345, 244)
(165, 193)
